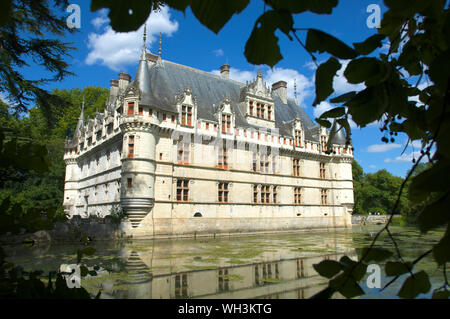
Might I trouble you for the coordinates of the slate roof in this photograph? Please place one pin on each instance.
(161, 82)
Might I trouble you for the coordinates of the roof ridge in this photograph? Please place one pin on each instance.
(204, 72)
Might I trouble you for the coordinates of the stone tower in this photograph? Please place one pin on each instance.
(139, 143)
(72, 169)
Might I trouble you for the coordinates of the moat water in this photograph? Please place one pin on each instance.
(260, 266)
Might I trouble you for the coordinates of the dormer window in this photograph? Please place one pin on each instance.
(251, 108)
(226, 123)
(298, 138)
(323, 143)
(186, 115)
(269, 112)
(130, 108)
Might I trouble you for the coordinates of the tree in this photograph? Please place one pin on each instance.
(416, 33)
(26, 31)
(31, 193)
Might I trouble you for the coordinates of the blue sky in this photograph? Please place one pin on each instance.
(102, 53)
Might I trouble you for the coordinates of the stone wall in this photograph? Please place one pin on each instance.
(370, 219)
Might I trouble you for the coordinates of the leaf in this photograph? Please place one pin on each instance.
(346, 125)
(5, 14)
(435, 214)
(125, 15)
(328, 268)
(375, 254)
(413, 286)
(89, 251)
(407, 8)
(364, 70)
(370, 44)
(434, 179)
(324, 123)
(262, 45)
(441, 251)
(344, 97)
(410, 59)
(439, 70)
(295, 6)
(395, 268)
(79, 256)
(215, 14)
(324, 79)
(336, 112)
(348, 287)
(367, 106)
(443, 294)
(326, 293)
(84, 271)
(320, 41)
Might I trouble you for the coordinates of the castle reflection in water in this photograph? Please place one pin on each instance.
(171, 270)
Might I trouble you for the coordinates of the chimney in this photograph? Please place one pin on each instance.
(280, 88)
(225, 71)
(113, 90)
(124, 80)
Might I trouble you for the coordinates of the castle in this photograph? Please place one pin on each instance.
(186, 152)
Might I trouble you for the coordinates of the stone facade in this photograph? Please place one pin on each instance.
(183, 151)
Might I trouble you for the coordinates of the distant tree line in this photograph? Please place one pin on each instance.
(31, 189)
(377, 192)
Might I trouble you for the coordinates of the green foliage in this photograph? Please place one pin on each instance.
(414, 285)
(328, 268)
(324, 81)
(26, 30)
(344, 276)
(31, 159)
(441, 251)
(264, 32)
(395, 268)
(117, 214)
(374, 254)
(319, 41)
(377, 192)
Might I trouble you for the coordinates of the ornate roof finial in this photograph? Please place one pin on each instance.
(160, 44)
(295, 89)
(145, 34)
(82, 108)
(144, 50)
(259, 74)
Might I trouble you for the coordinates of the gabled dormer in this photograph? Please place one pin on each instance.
(257, 103)
(298, 132)
(323, 138)
(131, 101)
(226, 117)
(187, 108)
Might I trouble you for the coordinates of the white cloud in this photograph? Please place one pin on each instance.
(403, 158)
(416, 144)
(381, 148)
(239, 75)
(373, 166)
(311, 65)
(116, 50)
(218, 52)
(305, 86)
(101, 19)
